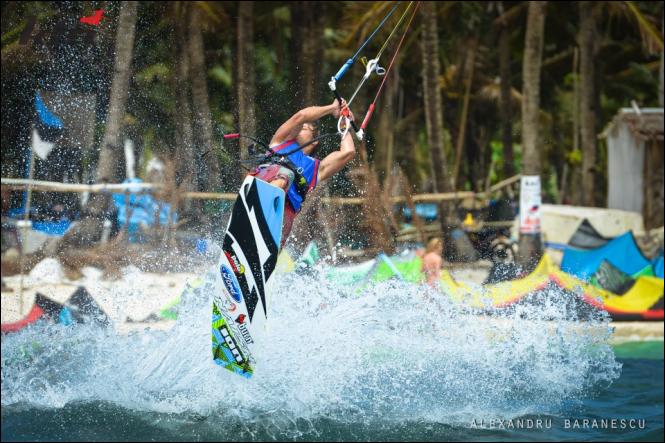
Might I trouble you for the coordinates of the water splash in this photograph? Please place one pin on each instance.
(389, 354)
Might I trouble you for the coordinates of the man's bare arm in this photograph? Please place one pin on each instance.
(334, 162)
(290, 128)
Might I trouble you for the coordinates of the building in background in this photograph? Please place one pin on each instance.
(635, 163)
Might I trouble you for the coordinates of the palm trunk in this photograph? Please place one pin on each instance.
(312, 46)
(307, 43)
(434, 114)
(660, 82)
(202, 118)
(587, 103)
(576, 176)
(653, 181)
(186, 176)
(461, 133)
(408, 195)
(112, 148)
(246, 89)
(530, 247)
(376, 213)
(506, 103)
(295, 57)
(385, 133)
(391, 110)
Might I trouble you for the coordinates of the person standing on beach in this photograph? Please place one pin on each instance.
(433, 262)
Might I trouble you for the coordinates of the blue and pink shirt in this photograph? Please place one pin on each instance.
(307, 166)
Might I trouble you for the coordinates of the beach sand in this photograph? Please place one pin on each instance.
(130, 300)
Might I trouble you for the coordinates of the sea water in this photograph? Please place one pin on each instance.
(392, 362)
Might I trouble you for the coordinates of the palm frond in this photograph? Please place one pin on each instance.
(651, 38)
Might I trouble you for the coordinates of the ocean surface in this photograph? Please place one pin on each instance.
(389, 363)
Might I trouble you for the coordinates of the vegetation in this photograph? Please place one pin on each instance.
(175, 76)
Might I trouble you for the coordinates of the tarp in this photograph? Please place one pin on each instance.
(612, 279)
(351, 274)
(80, 307)
(170, 310)
(36, 312)
(505, 293)
(285, 262)
(45, 115)
(587, 237)
(426, 211)
(643, 301)
(143, 209)
(310, 255)
(502, 272)
(640, 298)
(407, 267)
(57, 228)
(657, 265)
(622, 252)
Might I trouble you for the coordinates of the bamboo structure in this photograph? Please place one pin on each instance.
(44, 186)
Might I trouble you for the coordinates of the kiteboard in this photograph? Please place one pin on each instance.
(246, 265)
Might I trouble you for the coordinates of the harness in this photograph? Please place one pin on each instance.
(299, 180)
(271, 156)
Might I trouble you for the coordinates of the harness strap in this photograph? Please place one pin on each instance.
(299, 181)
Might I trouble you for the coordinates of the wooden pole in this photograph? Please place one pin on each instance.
(43, 186)
(26, 223)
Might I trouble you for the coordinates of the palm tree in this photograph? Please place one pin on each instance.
(434, 104)
(660, 70)
(306, 45)
(461, 133)
(506, 100)
(186, 174)
(587, 42)
(529, 244)
(245, 82)
(589, 15)
(202, 117)
(111, 148)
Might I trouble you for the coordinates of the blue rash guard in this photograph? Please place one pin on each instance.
(307, 166)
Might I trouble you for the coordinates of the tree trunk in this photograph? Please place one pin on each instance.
(385, 132)
(312, 47)
(245, 82)
(295, 57)
(506, 103)
(434, 114)
(186, 176)
(575, 165)
(306, 44)
(530, 247)
(653, 184)
(586, 37)
(660, 71)
(112, 148)
(202, 119)
(461, 133)
(417, 221)
(376, 212)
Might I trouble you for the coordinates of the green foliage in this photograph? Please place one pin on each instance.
(626, 71)
(153, 73)
(574, 157)
(221, 75)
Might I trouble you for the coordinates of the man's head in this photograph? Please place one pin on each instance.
(309, 131)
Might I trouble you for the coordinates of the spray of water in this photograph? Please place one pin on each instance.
(391, 354)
